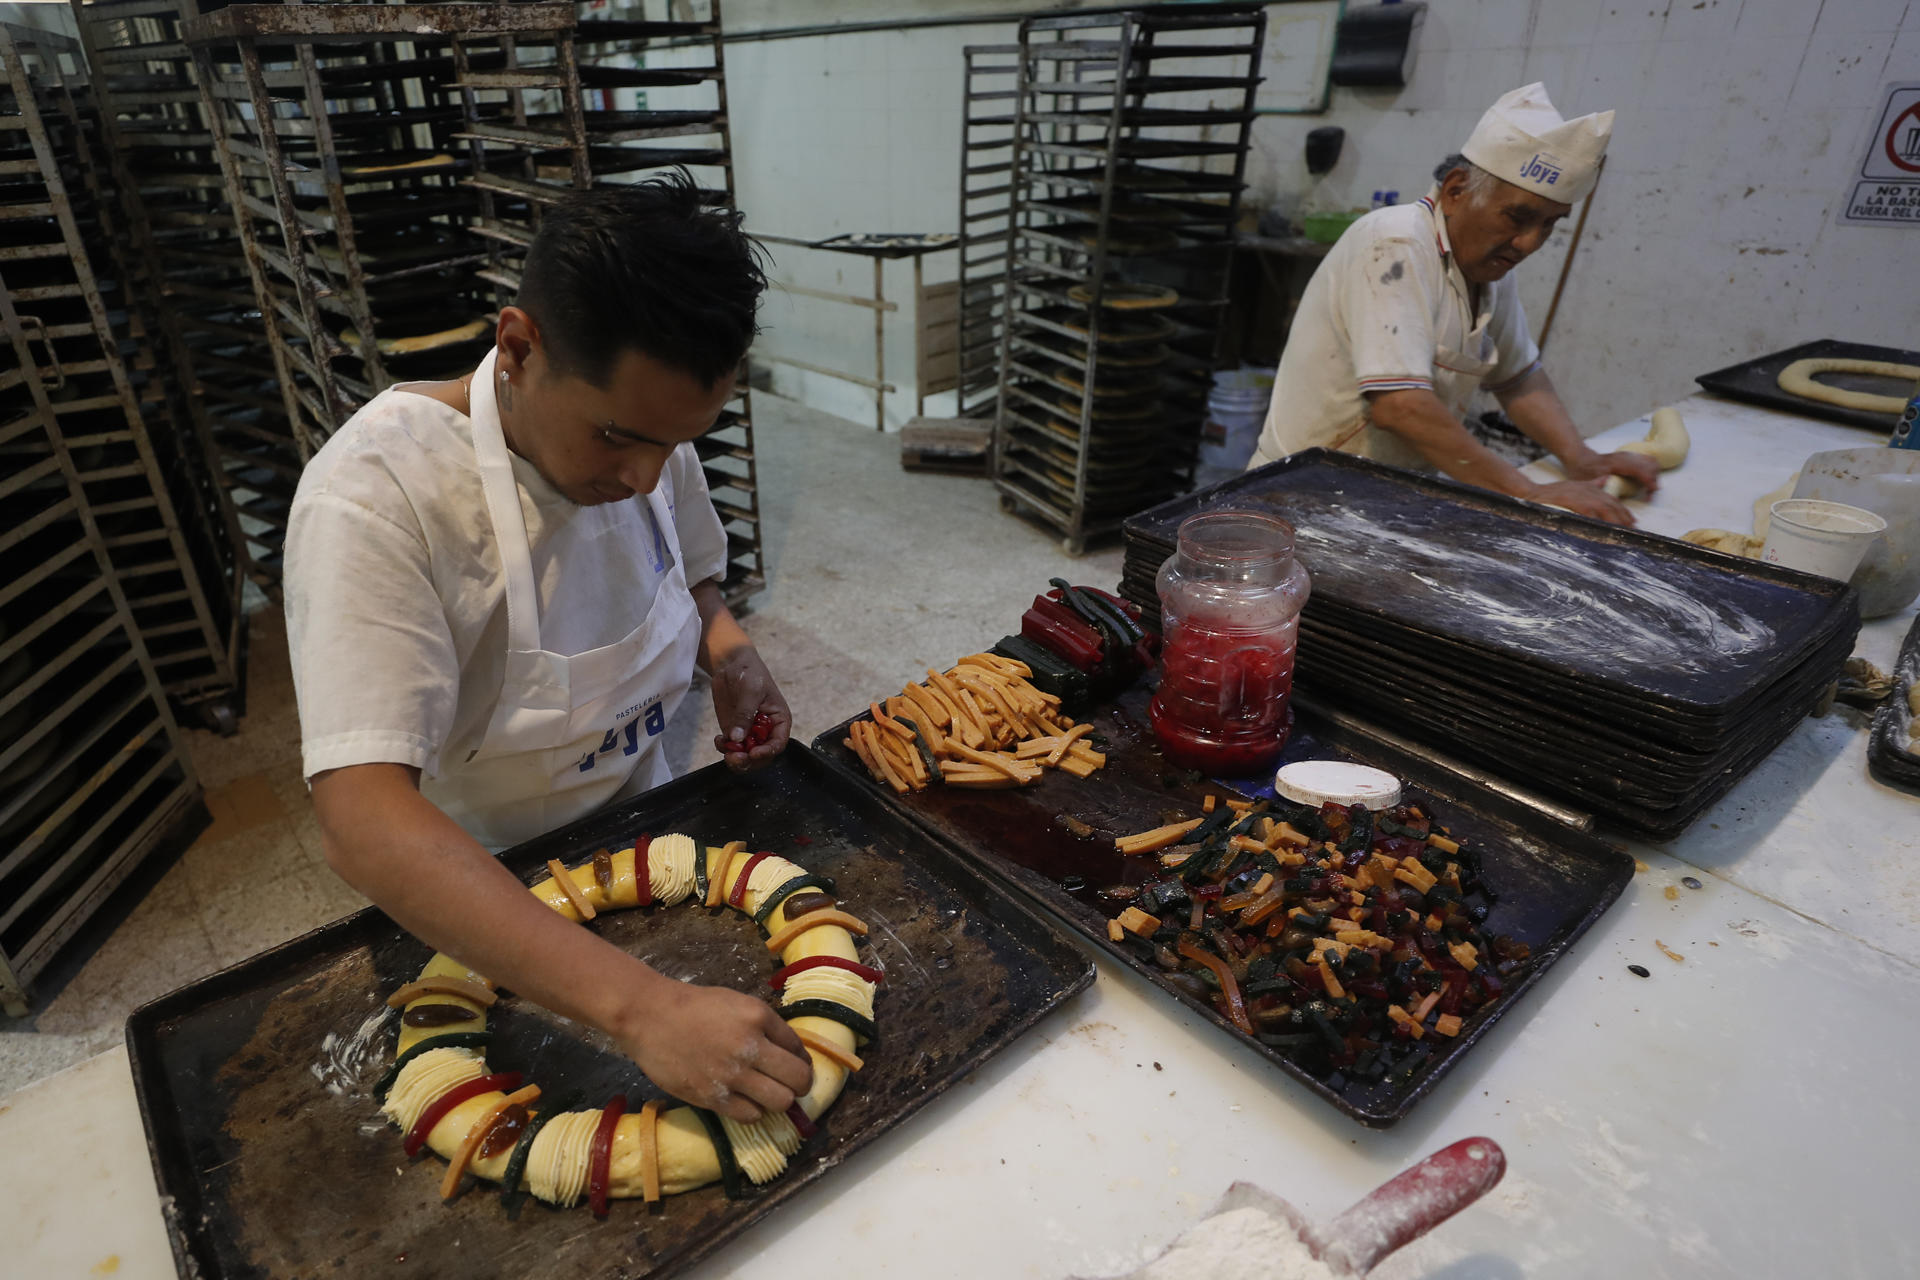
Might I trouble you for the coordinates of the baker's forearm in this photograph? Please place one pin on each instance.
(1537, 410)
(394, 845)
(1418, 417)
(721, 635)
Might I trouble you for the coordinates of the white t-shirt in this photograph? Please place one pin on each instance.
(1386, 310)
(395, 599)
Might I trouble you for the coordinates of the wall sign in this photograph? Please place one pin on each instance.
(1884, 191)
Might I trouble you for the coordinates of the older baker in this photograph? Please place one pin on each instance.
(1415, 308)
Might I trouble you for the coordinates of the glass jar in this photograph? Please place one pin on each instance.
(1230, 600)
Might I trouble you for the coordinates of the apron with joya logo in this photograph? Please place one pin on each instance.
(571, 732)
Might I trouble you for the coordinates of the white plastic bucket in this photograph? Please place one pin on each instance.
(1827, 538)
(1236, 410)
(1241, 390)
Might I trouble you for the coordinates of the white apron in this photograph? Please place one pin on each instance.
(571, 732)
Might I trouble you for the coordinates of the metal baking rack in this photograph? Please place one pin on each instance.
(989, 89)
(93, 779)
(333, 125)
(190, 274)
(603, 101)
(1130, 140)
(136, 446)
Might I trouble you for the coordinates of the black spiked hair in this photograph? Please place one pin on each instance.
(646, 267)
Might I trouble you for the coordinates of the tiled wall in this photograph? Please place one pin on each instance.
(1711, 238)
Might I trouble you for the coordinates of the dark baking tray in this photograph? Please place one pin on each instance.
(1885, 759)
(1655, 816)
(1755, 382)
(1336, 672)
(1426, 555)
(264, 1172)
(1609, 725)
(1554, 881)
(1838, 626)
(1410, 658)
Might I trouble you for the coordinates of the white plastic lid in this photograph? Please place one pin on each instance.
(1318, 782)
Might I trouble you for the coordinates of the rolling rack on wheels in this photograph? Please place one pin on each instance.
(190, 273)
(93, 777)
(1129, 150)
(644, 96)
(333, 126)
(138, 456)
(986, 198)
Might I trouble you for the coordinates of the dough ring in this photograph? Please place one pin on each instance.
(1797, 379)
(442, 1093)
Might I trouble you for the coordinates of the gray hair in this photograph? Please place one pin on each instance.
(1478, 179)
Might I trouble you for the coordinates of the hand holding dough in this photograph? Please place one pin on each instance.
(1667, 443)
(829, 1007)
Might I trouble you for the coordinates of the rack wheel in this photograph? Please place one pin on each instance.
(219, 717)
(1007, 503)
(1075, 545)
(13, 1003)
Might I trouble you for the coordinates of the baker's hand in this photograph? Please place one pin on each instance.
(719, 1049)
(1637, 467)
(751, 712)
(1583, 497)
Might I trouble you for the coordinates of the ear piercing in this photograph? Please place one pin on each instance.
(504, 377)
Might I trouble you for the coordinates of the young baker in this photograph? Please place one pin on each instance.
(497, 589)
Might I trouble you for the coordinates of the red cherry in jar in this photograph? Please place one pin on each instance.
(1230, 600)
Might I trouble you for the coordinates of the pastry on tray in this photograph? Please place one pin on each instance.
(446, 1096)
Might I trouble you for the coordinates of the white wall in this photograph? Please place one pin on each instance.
(1711, 237)
(854, 132)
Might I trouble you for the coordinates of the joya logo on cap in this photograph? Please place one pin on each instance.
(1542, 168)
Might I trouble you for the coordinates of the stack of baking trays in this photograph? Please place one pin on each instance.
(335, 127)
(1633, 676)
(132, 441)
(1042, 439)
(188, 273)
(93, 778)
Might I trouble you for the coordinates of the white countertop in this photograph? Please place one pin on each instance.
(1744, 1112)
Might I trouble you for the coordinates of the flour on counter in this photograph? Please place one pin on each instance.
(1241, 1244)
(1616, 1176)
(1250, 1235)
(1513, 1200)
(1610, 1159)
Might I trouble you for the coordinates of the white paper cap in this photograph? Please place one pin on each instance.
(1523, 140)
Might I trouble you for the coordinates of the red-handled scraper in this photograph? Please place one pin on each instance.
(1409, 1206)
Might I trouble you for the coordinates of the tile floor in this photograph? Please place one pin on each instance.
(874, 573)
